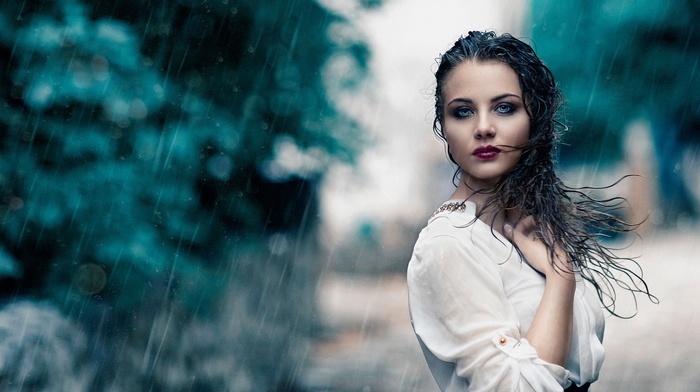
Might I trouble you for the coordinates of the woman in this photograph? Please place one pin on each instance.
(506, 282)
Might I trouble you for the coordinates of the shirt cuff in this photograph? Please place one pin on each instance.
(521, 350)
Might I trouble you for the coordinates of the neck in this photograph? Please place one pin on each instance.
(495, 217)
(473, 194)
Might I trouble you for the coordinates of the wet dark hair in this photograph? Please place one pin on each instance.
(565, 218)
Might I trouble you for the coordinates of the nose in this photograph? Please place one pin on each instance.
(484, 128)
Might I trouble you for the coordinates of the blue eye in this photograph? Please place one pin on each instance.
(505, 108)
(463, 112)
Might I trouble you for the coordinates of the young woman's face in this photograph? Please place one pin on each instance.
(484, 120)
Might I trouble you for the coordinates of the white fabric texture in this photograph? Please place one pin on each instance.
(472, 301)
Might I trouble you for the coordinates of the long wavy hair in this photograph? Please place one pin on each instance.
(566, 218)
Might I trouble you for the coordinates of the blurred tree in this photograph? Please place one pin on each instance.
(620, 60)
(146, 148)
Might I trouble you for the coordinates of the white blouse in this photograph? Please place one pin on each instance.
(472, 301)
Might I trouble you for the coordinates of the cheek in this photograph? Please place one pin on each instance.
(449, 134)
(526, 132)
(456, 141)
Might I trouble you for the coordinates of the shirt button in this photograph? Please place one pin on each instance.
(502, 341)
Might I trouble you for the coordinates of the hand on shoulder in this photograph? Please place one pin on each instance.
(524, 235)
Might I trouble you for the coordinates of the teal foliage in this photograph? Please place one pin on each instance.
(565, 37)
(616, 61)
(9, 268)
(135, 137)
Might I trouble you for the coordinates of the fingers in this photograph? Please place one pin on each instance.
(526, 224)
(524, 228)
(540, 256)
(508, 231)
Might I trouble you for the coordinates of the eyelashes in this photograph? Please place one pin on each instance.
(463, 112)
(505, 108)
(501, 109)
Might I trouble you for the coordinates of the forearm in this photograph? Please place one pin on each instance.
(551, 329)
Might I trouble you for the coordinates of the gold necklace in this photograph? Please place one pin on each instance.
(451, 207)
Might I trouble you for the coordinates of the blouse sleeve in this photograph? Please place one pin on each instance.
(461, 313)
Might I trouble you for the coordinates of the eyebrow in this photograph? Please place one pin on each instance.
(494, 99)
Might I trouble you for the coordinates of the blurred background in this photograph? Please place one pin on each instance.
(223, 195)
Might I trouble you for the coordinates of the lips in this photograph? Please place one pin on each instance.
(486, 152)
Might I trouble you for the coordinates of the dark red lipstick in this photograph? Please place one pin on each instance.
(486, 152)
